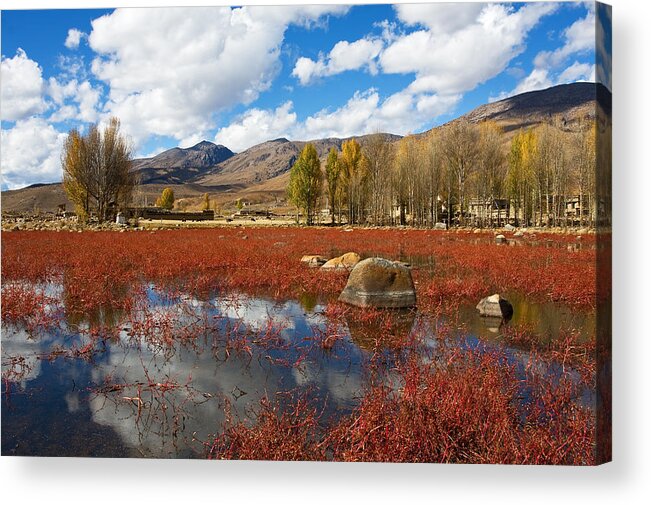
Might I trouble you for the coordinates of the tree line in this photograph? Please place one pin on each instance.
(461, 174)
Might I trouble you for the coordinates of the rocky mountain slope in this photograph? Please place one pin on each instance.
(268, 160)
(177, 165)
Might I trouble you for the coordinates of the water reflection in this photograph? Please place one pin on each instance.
(159, 380)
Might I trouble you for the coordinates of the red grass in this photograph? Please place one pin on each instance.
(457, 406)
(98, 268)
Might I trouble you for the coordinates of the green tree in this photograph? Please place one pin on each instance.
(97, 175)
(166, 199)
(305, 182)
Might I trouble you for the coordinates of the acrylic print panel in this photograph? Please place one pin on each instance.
(338, 233)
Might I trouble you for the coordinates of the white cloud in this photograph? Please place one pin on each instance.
(343, 56)
(440, 18)
(171, 70)
(256, 126)
(31, 153)
(537, 79)
(540, 78)
(22, 88)
(577, 72)
(363, 113)
(579, 37)
(73, 38)
(452, 58)
(83, 94)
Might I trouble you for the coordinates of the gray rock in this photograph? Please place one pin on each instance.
(500, 239)
(495, 306)
(518, 234)
(509, 227)
(440, 226)
(378, 282)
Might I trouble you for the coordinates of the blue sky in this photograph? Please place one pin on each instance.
(241, 76)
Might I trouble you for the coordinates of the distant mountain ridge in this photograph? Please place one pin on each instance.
(571, 101)
(179, 165)
(270, 159)
(264, 168)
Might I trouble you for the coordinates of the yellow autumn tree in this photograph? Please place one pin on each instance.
(97, 175)
(519, 179)
(166, 199)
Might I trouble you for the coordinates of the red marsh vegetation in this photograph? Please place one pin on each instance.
(425, 395)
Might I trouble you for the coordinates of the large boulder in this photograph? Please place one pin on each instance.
(313, 260)
(495, 306)
(509, 227)
(348, 260)
(378, 282)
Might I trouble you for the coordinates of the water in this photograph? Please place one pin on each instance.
(160, 381)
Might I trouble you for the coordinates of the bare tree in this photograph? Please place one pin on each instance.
(97, 173)
(461, 149)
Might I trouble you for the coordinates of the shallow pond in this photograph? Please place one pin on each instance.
(159, 381)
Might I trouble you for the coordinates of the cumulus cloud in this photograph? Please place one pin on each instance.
(256, 126)
(452, 57)
(84, 96)
(365, 112)
(439, 18)
(171, 70)
(579, 37)
(74, 38)
(342, 57)
(31, 153)
(22, 87)
(577, 72)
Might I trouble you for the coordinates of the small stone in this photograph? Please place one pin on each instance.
(500, 239)
(495, 306)
(440, 226)
(509, 227)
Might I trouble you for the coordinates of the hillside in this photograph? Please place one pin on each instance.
(260, 173)
(268, 160)
(571, 102)
(177, 165)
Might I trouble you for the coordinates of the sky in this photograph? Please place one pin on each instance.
(244, 75)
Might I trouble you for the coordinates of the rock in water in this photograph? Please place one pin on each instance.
(313, 260)
(348, 260)
(495, 306)
(500, 239)
(378, 282)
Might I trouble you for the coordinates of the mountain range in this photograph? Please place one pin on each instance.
(260, 173)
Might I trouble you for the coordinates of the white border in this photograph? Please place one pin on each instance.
(626, 480)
